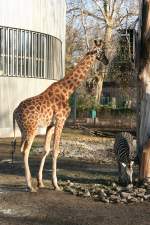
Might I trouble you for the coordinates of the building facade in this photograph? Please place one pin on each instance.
(32, 48)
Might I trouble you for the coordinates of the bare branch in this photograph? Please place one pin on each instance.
(99, 7)
(84, 25)
(86, 12)
(113, 7)
(120, 4)
(121, 18)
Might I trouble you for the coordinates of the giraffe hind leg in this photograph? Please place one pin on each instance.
(48, 136)
(57, 134)
(25, 148)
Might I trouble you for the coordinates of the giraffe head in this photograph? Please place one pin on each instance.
(99, 51)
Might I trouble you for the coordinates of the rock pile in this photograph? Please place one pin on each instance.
(109, 194)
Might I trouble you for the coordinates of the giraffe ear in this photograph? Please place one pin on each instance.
(98, 42)
(96, 78)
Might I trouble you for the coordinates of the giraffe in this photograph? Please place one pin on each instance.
(50, 109)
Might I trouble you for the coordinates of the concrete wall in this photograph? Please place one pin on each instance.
(12, 91)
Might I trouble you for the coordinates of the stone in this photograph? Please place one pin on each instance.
(96, 197)
(141, 195)
(148, 186)
(124, 200)
(82, 189)
(148, 191)
(147, 197)
(102, 193)
(125, 195)
(141, 190)
(79, 193)
(111, 192)
(71, 184)
(114, 185)
(130, 187)
(87, 194)
(105, 200)
(118, 188)
(132, 200)
(71, 190)
(122, 188)
(141, 200)
(114, 198)
(68, 182)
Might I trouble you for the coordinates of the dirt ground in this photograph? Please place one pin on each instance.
(49, 207)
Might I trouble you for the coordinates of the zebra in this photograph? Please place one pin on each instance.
(124, 152)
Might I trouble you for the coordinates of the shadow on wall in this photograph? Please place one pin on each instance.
(12, 91)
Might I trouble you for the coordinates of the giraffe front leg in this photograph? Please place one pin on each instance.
(57, 135)
(49, 133)
(26, 151)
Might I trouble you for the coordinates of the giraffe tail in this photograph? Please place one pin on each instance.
(13, 143)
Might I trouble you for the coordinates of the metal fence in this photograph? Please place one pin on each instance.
(117, 102)
(25, 53)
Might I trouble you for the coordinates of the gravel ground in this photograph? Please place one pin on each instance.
(86, 172)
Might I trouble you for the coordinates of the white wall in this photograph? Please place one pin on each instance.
(12, 91)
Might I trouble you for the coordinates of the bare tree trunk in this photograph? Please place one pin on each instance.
(145, 162)
(144, 132)
(99, 89)
(104, 69)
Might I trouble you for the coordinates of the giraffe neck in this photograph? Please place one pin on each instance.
(79, 73)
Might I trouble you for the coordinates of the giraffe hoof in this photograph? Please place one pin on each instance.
(41, 186)
(31, 189)
(57, 188)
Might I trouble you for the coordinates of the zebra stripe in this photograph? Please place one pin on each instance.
(123, 147)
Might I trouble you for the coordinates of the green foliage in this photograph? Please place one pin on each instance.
(86, 103)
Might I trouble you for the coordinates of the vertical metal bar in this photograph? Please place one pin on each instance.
(8, 51)
(3, 45)
(1, 49)
(25, 52)
(34, 63)
(29, 58)
(50, 58)
(61, 61)
(41, 55)
(52, 55)
(38, 55)
(21, 53)
(38, 51)
(35, 55)
(48, 53)
(45, 57)
(17, 52)
(13, 51)
(32, 53)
